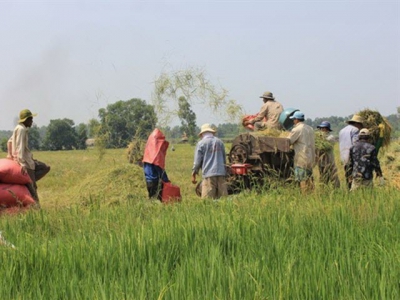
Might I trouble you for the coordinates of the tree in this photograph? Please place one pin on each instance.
(195, 86)
(81, 132)
(123, 120)
(93, 128)
(188, 118)
(34, 138)
(61, 135)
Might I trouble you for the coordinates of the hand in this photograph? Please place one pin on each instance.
(194, 181)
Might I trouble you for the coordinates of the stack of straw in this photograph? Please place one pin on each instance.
(372, 121)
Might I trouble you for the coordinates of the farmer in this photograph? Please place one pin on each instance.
(347, 137)
(326, 159)
(154, 163)
(268, 117)
(363, 161)
(23, 156)
(303, 140)
(210, 157)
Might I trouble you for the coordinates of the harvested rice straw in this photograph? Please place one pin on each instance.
(375, 124)
(321, 143)
(271, 132)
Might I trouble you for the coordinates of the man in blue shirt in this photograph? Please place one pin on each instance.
(210, 157)
(347, 138)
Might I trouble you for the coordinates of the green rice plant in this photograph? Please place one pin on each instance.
(273, 244)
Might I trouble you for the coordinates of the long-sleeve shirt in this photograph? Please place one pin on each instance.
(210, 157)
(364, 160)
(347, 137)
(20, 150)
(271, 110)
(154, 173)
(302, 138)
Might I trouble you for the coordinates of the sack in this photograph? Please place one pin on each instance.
(10, 172)
(170, 193)
(15, 195)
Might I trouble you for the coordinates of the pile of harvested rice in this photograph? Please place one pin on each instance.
(271, 132)
(135, 150)
(390, 163)
(321, 143)
(372, 121)
(112, 186)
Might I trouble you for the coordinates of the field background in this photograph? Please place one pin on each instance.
(98, 237)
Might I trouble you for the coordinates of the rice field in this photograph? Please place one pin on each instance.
(97, 236)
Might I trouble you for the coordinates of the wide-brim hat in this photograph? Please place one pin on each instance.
(25, 114)
(356, 119)
(268, 95)
(206, 128)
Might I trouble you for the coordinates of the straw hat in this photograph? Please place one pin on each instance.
(25, 114)
(206, 128)
(356, 119)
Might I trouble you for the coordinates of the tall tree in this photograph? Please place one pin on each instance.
(34, 138)
(188, 118)
(81, 132)
(122, 120)
(60, 135)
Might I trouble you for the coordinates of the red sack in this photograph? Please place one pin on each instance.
(247, 118)
(170, 193)
(15, 195)
(10, 172)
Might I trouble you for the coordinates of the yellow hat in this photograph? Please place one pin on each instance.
(25, 114)
(356, 119)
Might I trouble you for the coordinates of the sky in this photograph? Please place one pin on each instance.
(68, 59)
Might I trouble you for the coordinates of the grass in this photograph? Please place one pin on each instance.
(98, 237)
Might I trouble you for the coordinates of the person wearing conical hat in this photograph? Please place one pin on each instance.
(210, 157)
(268, 117)
(363, 161)
(22, 154)
(347, 138)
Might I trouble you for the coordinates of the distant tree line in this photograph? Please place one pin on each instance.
(121, 122)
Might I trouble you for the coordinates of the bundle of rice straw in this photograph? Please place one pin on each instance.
(321, 143)
(271, 132)
(372, 121)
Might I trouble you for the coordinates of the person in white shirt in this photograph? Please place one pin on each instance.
(23, 156)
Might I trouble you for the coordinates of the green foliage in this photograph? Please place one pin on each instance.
(195, 86)
(81, 131)
(61, 135)
(122, 119)
(97, 236)
(34, 140)
(187, 117)
(93, 128)
(3, 144)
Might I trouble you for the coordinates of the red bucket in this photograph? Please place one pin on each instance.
(240, 169)
(170, 193)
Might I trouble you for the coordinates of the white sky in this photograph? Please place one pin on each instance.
(68, 59)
